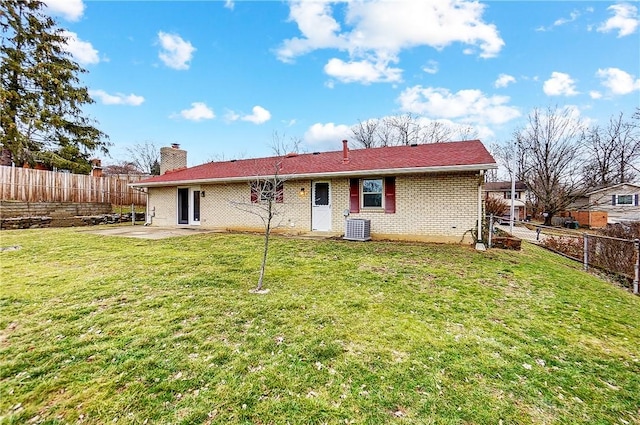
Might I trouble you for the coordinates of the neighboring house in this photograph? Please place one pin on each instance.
(619, 201)
(502, 190)
(427, 192)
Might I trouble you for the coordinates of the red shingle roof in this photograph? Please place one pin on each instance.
(450, 156)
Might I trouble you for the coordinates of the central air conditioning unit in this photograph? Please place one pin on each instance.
(358, 229)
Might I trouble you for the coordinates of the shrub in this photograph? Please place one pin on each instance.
(496, 206)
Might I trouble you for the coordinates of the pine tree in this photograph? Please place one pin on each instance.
(40, 94)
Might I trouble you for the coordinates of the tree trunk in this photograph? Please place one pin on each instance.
(267, 233)
(264, 259)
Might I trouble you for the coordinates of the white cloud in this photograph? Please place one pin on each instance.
(504, 80)
(199, 111)
(231, 116)
(364, 72)
(378, 30)
(259, 115)
(82, 51)
(176, 52)
(560, 84)
(317, 26)
(229, 4)
(431, 67)
(327, 135)
(117, 99)
(618, 81)
(595, 94)
(572, 17)
(71, 10)
(624, 20)
(471, 106)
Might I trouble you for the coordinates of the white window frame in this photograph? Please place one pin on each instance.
(507, 195)
(630, 203)
(362, 194)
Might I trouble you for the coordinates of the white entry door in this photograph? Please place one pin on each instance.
(321, 206)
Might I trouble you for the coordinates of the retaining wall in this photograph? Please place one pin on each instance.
(13, 209)
(20, 215)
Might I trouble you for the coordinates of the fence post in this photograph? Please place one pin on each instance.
(133, 215)
(636, 244)
(586, 251)
(490, 237)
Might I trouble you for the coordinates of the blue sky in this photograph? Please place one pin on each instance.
(220, 77)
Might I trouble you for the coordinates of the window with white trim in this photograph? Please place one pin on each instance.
(624, 199)
(372, 193)
(507, 195)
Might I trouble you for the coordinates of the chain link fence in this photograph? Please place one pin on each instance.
(617, 256)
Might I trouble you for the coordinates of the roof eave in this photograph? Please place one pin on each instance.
(593, 192)
(356, 173)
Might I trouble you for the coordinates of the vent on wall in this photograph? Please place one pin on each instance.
(357, 229)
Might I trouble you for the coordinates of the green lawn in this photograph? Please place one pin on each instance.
(98, 330)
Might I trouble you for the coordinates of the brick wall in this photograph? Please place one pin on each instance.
(172, 158)
(436, 207)
(593, 219)
(224, 207)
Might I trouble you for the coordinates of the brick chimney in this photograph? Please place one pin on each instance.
(96, 167)
(172, 158)
(345, 152)
(5, 157)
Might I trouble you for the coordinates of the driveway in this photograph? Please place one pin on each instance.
(522, 232)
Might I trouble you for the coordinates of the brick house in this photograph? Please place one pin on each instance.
(429, 192)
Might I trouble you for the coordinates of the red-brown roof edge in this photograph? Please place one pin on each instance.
(437, 157)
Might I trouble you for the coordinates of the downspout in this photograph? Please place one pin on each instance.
(146, 208)
(479, 245)
(150, 215)
(146, 211)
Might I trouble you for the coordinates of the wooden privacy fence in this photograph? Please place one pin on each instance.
(28, 185)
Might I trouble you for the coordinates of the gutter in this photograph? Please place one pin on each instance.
(356, 173)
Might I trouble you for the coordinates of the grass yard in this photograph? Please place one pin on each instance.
(98, 330)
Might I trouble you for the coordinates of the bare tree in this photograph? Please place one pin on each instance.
(267, 198)
(408, 129)
(435, 132)
(467, 132)
(366, 133)
(598, 170)
(550, 146)
(146, 157)
(385, 133)
(121, 168)
(614, 152)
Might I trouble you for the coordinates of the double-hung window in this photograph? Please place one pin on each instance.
(372, 193)
(267, 190)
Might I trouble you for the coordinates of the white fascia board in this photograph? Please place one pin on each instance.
(593, 192)
(382, 172)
